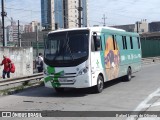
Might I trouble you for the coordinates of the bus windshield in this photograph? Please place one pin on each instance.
(67, 48)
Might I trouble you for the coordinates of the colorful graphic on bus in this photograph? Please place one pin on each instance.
(53, 79)
(112, 59)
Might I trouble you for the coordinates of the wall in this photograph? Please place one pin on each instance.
(154, 26)
(21, 57)
(150, 47)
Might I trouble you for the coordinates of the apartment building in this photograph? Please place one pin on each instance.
(32, 27)
(12, 31)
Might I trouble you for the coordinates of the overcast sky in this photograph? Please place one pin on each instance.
(118, 12)
(124, 11)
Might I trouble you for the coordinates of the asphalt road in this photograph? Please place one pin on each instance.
(117, 95)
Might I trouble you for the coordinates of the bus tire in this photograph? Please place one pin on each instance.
(128, 77)
(100, 84)
(59, 90)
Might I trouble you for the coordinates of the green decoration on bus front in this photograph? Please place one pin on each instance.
(53, 79)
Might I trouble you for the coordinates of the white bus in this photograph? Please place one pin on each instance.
(86, 57)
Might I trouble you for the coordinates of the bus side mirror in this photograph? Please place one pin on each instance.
(96, 42)
(94, 36)
(94, 39)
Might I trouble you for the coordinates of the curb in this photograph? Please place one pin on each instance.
(19, 89)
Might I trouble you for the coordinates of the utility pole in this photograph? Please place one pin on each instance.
(3, 14)
(104, 18)
(37, 44)
(19, 40)
(137, 26)
(80, 9)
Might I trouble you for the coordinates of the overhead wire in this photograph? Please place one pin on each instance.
(95, 7)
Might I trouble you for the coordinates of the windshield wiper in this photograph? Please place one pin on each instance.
(56, 55)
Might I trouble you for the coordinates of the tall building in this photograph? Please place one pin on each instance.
(27, 28)
(72, 8)
(141, 26)
(58, 14)
(32, 27)
(63, 13)
(85, 13)
(12, 31)
(47, 13)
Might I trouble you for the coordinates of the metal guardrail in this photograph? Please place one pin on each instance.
(40, 75)
(21, 79)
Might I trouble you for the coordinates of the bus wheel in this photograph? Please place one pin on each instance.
(100, 84)
(59, 90)
(129, 74)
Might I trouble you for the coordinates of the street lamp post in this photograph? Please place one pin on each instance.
(80, 9)
(37, 41)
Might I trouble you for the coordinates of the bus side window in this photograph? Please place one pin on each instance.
(99, 43)
(96, 43)
(92, 43)
(114, 46)
(124, 42)
(131, 42)
(138, 43)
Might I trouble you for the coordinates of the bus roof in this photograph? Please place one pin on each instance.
(95, 29)
(87, 28)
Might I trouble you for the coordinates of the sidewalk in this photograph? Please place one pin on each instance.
(151, 60)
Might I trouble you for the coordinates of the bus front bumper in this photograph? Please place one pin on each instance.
(81, 81)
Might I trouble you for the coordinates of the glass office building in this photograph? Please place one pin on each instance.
(57, 14)
(45, 14)
(58, 10)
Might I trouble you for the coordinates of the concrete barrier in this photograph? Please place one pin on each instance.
(21, 57)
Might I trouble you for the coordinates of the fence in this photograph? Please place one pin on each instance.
(150, 47)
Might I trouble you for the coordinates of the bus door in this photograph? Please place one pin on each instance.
(97, 55)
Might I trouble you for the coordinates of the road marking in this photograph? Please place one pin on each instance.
(144, 106)
(155, 104)
(157, 95)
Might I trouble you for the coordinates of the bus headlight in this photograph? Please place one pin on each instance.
(83, 71)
